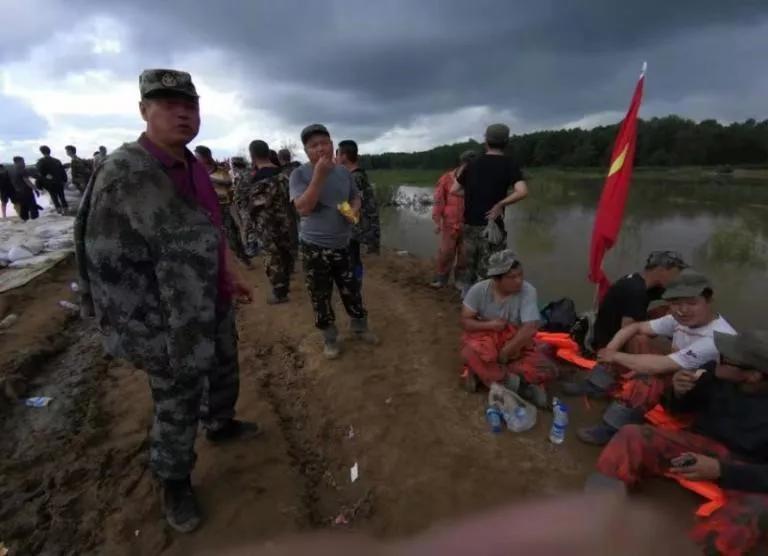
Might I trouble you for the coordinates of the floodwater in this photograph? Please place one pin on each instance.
(721, 229)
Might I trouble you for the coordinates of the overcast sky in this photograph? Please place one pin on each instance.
(392, 74)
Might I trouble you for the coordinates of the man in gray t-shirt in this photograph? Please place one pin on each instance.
(328, 203)
(500, 317)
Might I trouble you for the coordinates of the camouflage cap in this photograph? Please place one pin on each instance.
(749, 349)
(502, 262)
(166, 82)
(665, 259)
(467, 156)
(689, 284)
(497, 133)
(313, 129)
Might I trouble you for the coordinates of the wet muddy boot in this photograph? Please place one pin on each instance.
(233, 429)
(616, 416)
(276, 299)
(597, 385)
(361, 332)
(331, 348)
(439, 282)
(180, 505)
(469, 381)
(534, 393)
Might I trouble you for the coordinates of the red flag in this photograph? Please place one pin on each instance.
(610, 210)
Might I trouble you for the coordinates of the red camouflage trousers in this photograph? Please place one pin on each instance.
(451, 251)
(645, 391)
(638, 451)
(480, 352)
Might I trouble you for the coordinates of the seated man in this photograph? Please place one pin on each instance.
(728, 443)
(627, 299)
(690, 326)
(500, 316)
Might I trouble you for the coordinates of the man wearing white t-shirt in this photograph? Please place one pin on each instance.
(690, 325)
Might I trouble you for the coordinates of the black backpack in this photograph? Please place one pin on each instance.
(559, 316)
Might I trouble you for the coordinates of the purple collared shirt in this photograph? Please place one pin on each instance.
(192, 181)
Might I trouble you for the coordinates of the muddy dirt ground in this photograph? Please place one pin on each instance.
(73, 475)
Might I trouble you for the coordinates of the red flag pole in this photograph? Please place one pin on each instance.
(610, 210)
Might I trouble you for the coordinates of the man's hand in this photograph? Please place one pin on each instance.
(683, 382)
(497, 325)
(495, 212)
(508, 353)
(705, 468)
(607, 355)
(323, 167)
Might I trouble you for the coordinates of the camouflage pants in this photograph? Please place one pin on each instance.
(293, 232)
(323, 267)
(477, 249)
(231, 230)
(278, 262)
(181, 401)
(639, 451)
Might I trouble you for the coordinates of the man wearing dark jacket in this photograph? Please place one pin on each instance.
(52, 178)
(727, 444)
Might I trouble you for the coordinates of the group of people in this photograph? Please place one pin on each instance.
(156, 236)
(20, 188)
(661, 347)
(159, 228)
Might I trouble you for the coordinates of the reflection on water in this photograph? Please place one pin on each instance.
(721, 229)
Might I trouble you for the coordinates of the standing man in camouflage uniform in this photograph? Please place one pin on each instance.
(262, 202)
(287, 166)
(319, 190)
(490, 183)
(80, 169)
(367, 231)
(154, 268)
(222, 184)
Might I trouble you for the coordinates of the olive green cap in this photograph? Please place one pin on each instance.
(688, 284)
(749, 349)
(166, 82)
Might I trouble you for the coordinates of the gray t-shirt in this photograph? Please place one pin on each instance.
(516, 309)
(325, 226)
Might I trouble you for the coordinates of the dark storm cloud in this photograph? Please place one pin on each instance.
(369, 66)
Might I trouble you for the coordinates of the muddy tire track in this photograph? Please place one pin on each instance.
(316, 444)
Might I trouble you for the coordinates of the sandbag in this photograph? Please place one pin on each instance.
(18, 253)
(58, 243)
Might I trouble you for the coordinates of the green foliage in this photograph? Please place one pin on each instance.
(661, 142)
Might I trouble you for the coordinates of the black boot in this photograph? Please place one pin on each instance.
(234, 429)
(180, 505)
(616, 416)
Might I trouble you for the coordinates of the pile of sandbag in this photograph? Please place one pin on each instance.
(25, 244)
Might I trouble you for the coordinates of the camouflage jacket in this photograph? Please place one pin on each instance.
(148, 264)
(81, 170)
(263, 206)
(368, 229)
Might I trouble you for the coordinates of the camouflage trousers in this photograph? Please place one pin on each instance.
(278, 262)
(293, 231)
(232, 231)
(639, 451)
(324, 267)
(182, 401)
(477, 249)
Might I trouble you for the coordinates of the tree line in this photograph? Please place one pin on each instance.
(667, 141)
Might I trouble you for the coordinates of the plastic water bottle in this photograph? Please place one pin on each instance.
(559, 422)
(495, 419)
(518, 420)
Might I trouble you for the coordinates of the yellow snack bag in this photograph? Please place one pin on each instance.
(346, 209)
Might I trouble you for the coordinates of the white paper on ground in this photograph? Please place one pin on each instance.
(353, 473)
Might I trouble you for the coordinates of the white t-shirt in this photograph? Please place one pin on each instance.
(693, 347)
(516, 309)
